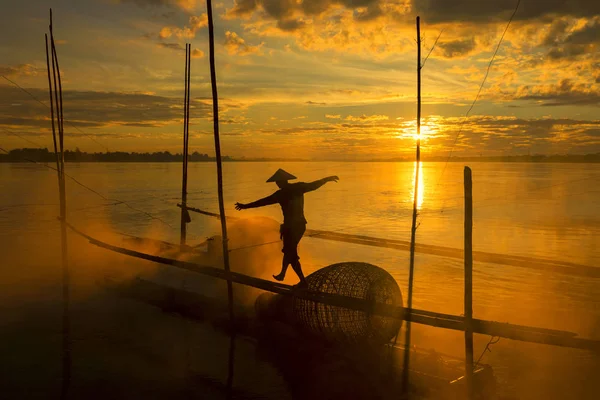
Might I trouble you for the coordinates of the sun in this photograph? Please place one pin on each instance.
(426, 131)
(410, 131)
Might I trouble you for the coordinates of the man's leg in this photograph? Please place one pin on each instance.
(297, 234)
(284, 266)
(298, 270)
(285, 236)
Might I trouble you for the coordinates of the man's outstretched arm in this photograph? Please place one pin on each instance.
(272, 199)
(309, 187)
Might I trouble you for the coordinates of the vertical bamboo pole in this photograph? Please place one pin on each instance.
(184, 152)
(468, 282)
(213, 80)
(66, 323)
(52, 111)
(413, 232)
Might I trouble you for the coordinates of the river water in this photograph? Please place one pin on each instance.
(550, 211)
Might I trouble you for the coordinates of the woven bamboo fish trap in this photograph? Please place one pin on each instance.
(360, 281)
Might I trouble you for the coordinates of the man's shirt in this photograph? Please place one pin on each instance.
(291, 200)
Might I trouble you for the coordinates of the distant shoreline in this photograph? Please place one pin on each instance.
(43, 155)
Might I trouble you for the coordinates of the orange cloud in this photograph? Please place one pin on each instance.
(236, 45)
(21, 70)
(367, 118)
(186, 5)
(196, 22)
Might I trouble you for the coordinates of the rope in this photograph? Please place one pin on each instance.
(478, 93)
(431, 50)
(487, 348)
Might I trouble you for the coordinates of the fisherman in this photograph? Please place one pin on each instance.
(290, 197)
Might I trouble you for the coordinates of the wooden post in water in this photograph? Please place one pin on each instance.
(215, 96)
(413, 232)
(468, 283)
(186, 115)
(60, 163)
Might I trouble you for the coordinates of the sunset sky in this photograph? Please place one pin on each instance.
(308, 78)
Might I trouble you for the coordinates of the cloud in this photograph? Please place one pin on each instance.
(432, 11)
(385, 28)
(172, 46)
(21, 70)
(329, 116)
(335, 29)
(565, 93)
(196, 22)
(187, 5)
(436, 11)
(95, 109)
(236, 45)
(367, 118)
(242, 8)
(196, 53)
(240, 119)
(569, 41)
(457, 48)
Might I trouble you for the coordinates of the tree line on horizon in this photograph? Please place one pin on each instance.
(45, 156)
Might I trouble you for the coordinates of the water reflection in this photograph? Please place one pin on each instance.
(421, 193)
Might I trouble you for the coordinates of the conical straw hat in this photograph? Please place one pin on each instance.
(281, 175)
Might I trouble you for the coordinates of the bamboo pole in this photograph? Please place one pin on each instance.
(66, 320)
(468, 282)
(413, 231)
(184, 213)
(52, 111)
(215, 96)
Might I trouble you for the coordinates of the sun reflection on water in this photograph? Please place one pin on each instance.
(421, 193)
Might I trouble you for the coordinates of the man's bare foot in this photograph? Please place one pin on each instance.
(279, 277)
(301, 284)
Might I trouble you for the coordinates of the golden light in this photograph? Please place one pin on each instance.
(409, 130)
(426, 131)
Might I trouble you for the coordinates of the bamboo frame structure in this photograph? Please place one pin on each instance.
(447, 321)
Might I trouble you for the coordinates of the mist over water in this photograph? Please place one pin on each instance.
(539, 210)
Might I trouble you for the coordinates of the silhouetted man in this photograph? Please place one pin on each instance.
(290, 197)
